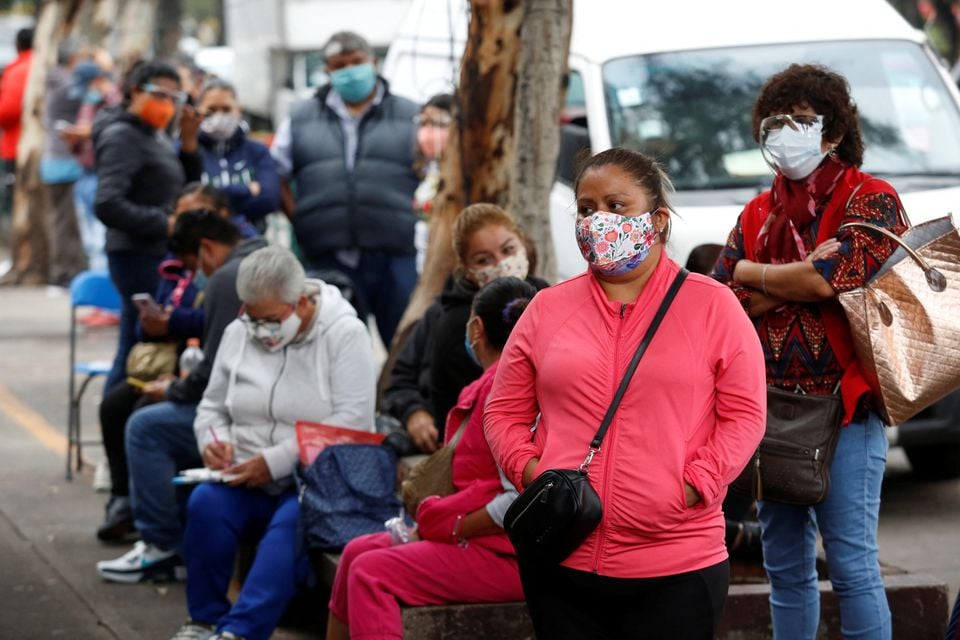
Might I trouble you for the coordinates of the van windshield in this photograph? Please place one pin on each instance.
(691, 109)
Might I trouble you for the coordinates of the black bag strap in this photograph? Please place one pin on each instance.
(622, 389)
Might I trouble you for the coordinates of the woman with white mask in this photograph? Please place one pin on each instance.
(298, 352)
(786, 260)
(240, 167)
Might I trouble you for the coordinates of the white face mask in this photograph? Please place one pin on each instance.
(273, 336)
(794, 152)
(515, 266)
(220, 126)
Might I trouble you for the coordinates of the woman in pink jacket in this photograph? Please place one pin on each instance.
(459, 552)
(656, 566)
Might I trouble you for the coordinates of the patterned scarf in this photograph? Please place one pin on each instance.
(794, 206)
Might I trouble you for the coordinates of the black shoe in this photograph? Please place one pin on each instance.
(117, 525)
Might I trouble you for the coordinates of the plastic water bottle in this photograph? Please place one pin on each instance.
(191, 357)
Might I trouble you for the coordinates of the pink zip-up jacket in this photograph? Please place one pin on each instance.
(694, 412)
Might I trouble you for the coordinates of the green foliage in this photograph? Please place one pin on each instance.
(201, 9)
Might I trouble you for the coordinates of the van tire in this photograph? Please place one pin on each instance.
(934, 462)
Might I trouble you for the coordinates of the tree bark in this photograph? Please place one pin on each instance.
(169, 13)
(545, 48)
(478, 160)
(136, 32)
(29, 246)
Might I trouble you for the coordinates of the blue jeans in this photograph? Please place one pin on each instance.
(131, 273)
(382, 283)
(219, 518)
(160, 442)
(847, 520)
(92, 232)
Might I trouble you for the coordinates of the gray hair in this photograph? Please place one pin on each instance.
(346, 42)
(270, 272)
(217, 83)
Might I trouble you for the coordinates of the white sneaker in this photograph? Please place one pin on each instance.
(194, 631)
(143, 562)
(101, 477)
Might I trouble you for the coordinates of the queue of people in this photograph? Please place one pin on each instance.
(513, 375)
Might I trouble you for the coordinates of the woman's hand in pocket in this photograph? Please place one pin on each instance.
(691, 494)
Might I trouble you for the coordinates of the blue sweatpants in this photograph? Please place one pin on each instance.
(219, 517)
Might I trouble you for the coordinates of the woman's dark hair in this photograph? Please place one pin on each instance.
(25, 39)
(440, 101)
(195, 225)
(824, 91)
(644, 170)
(217, 198)
(144, 72)
(500, 305)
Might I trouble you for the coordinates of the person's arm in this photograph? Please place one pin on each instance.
(118, 161)
(185, 323)
(794, 281)
(753, 301)
(212, 414)
(512, 405)
(11, 97)
(740, 401)
(352, 380)
(457, 516)
(406, 399)
(267, 197)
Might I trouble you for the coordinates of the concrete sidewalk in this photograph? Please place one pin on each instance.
(49, 587)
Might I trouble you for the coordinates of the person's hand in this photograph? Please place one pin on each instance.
(156, 390)
(529, 471)
(189, 127)
(691, 494)
(829, 247)
(155, 325)
(254, 188)
(218, 455)
(252, 473)
(76, 134)
(423, 431)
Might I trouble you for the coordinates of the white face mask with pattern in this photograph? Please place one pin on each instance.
(517, 266)
(273, 336)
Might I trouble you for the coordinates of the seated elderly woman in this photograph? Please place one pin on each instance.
(297, 352)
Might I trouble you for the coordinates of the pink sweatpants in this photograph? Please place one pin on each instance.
(375, 578)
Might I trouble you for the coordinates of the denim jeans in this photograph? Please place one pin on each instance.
(93, 233)
(382, 283)
(219, 518)
(160, 442)
(131, 273)
(847, 521)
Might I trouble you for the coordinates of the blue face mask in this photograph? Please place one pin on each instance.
(354, 83)
(469, 347)
(93, 97)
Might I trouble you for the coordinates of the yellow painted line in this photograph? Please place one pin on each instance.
(32, 422)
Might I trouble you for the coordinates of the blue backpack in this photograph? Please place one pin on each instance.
(349, 490)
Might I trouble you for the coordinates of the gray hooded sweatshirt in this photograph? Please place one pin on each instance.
(255, 397)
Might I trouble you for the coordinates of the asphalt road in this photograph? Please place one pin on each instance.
(48, 585)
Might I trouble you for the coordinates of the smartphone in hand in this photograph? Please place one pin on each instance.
(145, 303)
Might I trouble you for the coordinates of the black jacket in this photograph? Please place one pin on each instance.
(409, 388)
(451, 369)
(139, 176)
(370, 207)
(221, 306)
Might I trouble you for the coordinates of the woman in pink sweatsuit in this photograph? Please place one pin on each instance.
(656, 566)
(461, 553)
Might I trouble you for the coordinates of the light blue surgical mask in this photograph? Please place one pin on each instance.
(93, 97)
(471, 352)
(354, 83)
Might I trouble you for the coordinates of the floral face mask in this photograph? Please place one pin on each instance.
(614, 244)
(516, 266)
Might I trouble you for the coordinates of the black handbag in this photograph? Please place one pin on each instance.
(792, 463)
(556, 513)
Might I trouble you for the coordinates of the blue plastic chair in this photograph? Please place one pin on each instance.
(88, 289)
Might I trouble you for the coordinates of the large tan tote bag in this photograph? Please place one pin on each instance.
(906, 320)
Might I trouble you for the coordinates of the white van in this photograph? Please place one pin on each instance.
(677, 80)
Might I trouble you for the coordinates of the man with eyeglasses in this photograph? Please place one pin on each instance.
(349, 152)
(139, 174)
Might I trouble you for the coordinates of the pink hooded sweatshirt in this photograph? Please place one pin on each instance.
(694, 412)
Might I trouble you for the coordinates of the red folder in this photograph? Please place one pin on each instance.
(313, 437)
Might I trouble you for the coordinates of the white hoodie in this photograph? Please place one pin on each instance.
(254, 397)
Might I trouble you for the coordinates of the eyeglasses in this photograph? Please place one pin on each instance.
(799, 123)
(176, 97)
(439, 123)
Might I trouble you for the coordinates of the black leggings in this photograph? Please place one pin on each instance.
(118, 403)
(565, 603)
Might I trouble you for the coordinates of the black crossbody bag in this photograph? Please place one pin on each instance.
(556, 513)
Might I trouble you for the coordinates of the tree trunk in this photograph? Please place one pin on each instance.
(544, 52)
(29, 246)
(478, 160)
(136, 32)
(169, 13)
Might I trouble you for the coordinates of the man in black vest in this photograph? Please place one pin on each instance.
(349, 152)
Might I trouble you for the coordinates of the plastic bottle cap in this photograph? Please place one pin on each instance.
(193, 342)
